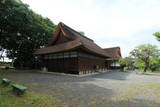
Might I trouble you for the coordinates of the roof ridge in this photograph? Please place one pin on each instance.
(112, 47)
(62, 24)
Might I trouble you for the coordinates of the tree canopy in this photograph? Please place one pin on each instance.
(145, 55)
(22, 31)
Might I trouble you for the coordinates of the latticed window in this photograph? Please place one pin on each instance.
(54, 56)
(73, 54)
(66, 55)
(60, 55)
(50, 56)
(46, 56)
(88, 55)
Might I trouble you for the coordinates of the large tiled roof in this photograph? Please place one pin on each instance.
(77, 40)
(59, 48)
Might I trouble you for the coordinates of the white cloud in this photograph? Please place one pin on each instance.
(108, 22)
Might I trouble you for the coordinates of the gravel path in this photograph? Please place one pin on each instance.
(110, 89)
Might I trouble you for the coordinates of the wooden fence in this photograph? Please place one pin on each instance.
(6, 63)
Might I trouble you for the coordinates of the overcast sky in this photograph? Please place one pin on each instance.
(124, 23)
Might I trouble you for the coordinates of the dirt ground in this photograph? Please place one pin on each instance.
(110, 89)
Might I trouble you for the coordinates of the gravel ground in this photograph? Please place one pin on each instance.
(110, 89)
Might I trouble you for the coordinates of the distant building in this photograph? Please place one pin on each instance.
(115, 55)
(71, 52)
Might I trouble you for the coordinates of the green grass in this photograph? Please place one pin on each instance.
(29, 99)
(156, 72)
(147, 72)
(7, 70)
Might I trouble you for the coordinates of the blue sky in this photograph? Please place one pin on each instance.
(124, 23)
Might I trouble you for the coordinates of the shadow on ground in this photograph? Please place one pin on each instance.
(112, 75)
(47, 78)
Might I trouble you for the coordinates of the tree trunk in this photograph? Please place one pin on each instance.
(146, 66)
(145, 69)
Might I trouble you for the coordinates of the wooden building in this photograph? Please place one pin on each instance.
(71, 52)
(115, 55)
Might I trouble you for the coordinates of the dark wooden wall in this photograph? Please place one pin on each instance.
(89, 64)
(67, 65)
(74, 62)
(108, 63)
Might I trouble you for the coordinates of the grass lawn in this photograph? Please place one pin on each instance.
(29, 99)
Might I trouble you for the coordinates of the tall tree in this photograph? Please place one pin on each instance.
(145, 53)
(22, 31)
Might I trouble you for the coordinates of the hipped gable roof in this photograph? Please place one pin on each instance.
(114, 53)
(77, 40)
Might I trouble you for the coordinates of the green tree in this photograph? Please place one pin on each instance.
(139, 64)
(154, 64)
(127, 62)
(22, 31)
(123, 62)
(144, 54)
(157, 35)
